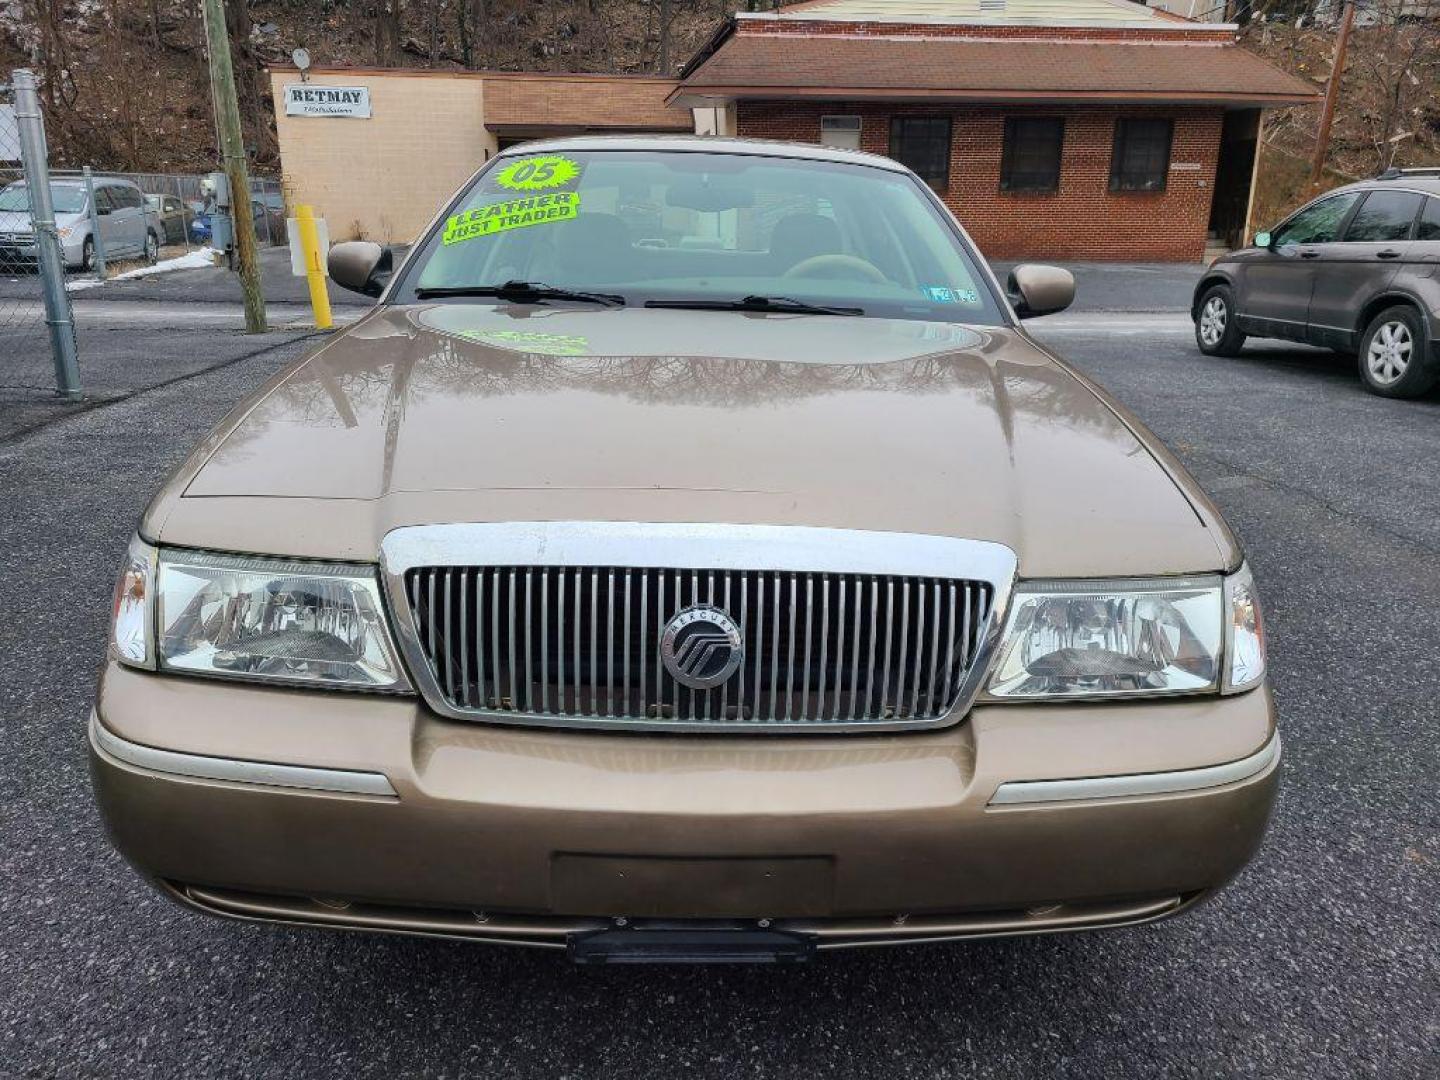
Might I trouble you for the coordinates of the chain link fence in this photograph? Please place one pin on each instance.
(58, 226)
(178, 201)
(37, 329)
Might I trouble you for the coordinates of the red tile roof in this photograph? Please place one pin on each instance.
(534, 103)
(753, 65)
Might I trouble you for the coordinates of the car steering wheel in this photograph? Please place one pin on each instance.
(837, 266)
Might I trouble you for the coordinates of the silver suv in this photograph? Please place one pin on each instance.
(1357, 270)
(128, 227)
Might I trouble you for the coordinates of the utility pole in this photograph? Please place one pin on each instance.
(232, 152)
(1332, 92)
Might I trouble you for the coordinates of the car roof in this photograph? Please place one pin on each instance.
(1426, 183)
(708, 144)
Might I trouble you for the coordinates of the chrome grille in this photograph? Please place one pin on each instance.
(583, 643)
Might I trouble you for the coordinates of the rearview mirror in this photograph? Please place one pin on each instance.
(708, 198)
(1262, 239)
(1040, 290)
(360, 266)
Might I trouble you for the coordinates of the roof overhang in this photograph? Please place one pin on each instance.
(1025, 69)
(717, 96)
(1177, 25)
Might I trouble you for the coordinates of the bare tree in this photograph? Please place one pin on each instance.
(433, 20)
(253, 98)
(599, 33)
(1398, 63)
(43, 34)
(464, 33)
(388, 14)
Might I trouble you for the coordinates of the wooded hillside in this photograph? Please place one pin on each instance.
(125, 82)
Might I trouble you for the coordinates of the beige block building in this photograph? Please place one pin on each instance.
(377, 165)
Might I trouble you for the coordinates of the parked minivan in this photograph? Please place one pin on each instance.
(128, 227)
(1356, 270)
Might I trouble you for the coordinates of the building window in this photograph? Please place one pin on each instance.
(1031, 159)
(923, 144)
(840, 131)
(1140, 159)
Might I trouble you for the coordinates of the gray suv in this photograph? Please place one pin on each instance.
(1357, 270)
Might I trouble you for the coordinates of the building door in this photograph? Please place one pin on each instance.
(1230, 201)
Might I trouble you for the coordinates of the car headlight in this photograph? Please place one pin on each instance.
(317, 624)
(65, 231)
(1117, 638)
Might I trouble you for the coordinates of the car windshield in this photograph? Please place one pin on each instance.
(706, 227)
(66, 198)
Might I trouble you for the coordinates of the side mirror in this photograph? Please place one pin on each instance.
(1040, 290)
(1262, 239)
(360, 266)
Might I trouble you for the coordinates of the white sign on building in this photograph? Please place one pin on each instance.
(307, 99)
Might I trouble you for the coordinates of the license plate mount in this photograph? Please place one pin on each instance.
(689, 946)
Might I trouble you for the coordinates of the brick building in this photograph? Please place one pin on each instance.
(1062, 129)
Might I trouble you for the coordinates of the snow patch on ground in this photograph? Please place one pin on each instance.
(194, 260)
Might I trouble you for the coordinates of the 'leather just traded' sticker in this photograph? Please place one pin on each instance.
(512, 214)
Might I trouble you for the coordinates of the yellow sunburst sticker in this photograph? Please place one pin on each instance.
(538, 173)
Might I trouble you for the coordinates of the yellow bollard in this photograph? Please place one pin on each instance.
(314, 266)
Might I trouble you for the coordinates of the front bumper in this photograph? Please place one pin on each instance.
(18, 252)
(372, 813)
(26, 253)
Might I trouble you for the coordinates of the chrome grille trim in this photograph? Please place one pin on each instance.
(848, 665)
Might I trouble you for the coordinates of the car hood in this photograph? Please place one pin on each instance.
(13, 221)
(475, 412)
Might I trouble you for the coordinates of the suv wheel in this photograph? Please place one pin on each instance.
(1393, 360)
(1216, 331)
(87, 255)
(152, 248)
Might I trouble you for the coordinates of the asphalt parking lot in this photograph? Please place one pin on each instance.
(1321, 961)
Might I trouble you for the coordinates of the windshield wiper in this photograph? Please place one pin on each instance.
(782, 304)
(523, 292)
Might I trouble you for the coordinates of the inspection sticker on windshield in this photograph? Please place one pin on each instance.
(532, 341)
(513, 214)
(943, 294)
(538, 173)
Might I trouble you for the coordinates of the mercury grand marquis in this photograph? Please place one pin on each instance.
(690, 557)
